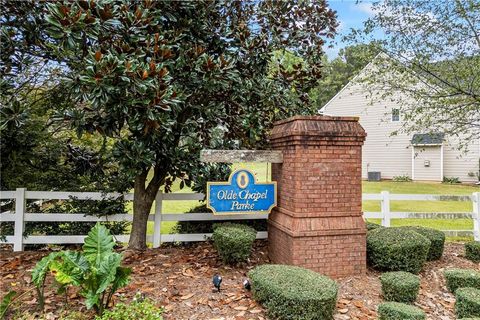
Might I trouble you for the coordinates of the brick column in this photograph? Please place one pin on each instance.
(318, 222)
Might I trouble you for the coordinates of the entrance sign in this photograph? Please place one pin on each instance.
(241, 194)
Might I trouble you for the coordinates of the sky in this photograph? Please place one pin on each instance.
(350, 14)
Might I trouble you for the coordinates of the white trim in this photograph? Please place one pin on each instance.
(399, 115)
(441, 163)
(413, 162)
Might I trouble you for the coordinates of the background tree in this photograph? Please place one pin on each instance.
(342, 69)
(163, 79)
(431, 64)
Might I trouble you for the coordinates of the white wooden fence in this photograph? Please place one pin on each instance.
(21, 195)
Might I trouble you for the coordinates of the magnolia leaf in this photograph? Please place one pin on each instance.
(98, 244)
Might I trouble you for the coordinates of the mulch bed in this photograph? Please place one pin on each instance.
(179, 278)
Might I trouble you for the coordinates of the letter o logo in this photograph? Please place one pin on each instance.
(242, 179)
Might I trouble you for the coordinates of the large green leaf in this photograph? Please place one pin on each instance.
(122, 278)
(98, 244)
(42, 267)
(6, 301)
(91, 299)
(107, 271)
(72, 268)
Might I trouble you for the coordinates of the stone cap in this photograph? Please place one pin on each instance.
(318, 128)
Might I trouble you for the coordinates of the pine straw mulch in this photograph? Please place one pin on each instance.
(179, 279)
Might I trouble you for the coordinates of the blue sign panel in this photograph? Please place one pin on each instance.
(241, 194)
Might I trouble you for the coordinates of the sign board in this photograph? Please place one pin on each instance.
(241, 194)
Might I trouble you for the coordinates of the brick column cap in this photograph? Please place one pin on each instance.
(318, 128)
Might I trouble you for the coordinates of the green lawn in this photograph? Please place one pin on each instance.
(263, 171)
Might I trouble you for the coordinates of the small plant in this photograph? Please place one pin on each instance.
(397, 249)
(96, 270)
(437, 240)
(402, 178)
(451, 180)
(136, 310)
(461, 278)
(472, 251)
(6, 302)
(400, 286)
(399, 311)
(468, 302)
(233, 241)
(294, 293)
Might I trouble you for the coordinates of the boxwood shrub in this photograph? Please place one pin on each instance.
(472, 251)
(233, 241)
(372, 226)
(437, 240)
(397, 249)
(399, 311)
(290, 292)
(468, 302)
(400, 286)
(461, 278)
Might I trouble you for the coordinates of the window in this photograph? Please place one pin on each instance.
(395, 115)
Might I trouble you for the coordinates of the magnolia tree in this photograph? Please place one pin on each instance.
(160, 80)
(430, 65)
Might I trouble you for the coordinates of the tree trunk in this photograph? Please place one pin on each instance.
(143, 198)
(141, 211)
(142, 204)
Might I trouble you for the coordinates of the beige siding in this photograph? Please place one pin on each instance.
(392, 155)
(432, 172)
(460, 164)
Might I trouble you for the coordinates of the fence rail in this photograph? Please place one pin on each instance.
(21, 195)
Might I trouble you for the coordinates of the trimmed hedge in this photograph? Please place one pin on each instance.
(399, 311)
(472, 251)
(372, 226)
(461, 278)
(400, 286)
(397, 249)
(436, 237)
(294, 293)
(233, 241)
(468, 302)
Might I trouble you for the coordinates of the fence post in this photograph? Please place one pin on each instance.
(157, 224)
(385, 206)
(20, 205)
(476, 215)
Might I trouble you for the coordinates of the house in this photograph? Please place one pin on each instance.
(420, 156)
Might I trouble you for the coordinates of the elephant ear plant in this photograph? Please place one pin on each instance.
(97, 270)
